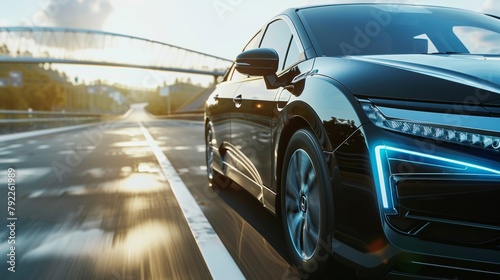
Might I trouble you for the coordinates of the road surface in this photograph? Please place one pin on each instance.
(98, 203)
(94, 203)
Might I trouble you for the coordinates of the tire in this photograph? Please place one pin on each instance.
(307, 205)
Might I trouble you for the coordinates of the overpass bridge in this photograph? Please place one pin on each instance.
(91, 47)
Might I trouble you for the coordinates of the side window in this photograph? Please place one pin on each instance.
(279, 37)
(253, 44)
(293, 54)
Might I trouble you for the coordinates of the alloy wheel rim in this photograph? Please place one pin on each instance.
(302, 204)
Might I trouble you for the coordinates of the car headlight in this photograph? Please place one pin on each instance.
(392, 161)
(476, 131)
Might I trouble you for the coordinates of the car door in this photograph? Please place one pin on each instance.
(221, 107)
(254, 107)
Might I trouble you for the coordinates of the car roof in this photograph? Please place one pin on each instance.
(296, 9)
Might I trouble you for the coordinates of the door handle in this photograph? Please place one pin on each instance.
(237, 101)
(216, 97)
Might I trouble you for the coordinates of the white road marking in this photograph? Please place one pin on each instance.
(10, 160)
(26, 175)
(13, 146)
(183, 170)
(219, 262)
(43, 147)
(200, 148)
(66, 152)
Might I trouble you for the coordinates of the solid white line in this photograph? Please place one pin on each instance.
(219, 262)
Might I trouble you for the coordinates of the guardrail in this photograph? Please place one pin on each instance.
(13, 121)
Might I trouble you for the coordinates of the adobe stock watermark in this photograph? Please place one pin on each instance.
(305, 272)
(48, 9)
(222, 7)
(455, 115)
(121, 276)
(89, 140)
(363, 36)
(154, 79)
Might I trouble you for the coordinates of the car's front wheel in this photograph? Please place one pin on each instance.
(306, 204)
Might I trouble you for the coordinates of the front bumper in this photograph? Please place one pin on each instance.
(439, 221)
(410, 258)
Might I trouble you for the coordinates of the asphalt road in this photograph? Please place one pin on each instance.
(94, 203)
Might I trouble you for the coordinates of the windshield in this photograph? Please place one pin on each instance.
(398, 29)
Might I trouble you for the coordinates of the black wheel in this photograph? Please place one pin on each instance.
(306, 204)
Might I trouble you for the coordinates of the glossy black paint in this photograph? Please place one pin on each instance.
(258, 62)
(384, 72)
(445, 226)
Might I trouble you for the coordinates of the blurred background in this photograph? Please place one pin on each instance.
(215, 27)
(92, 199)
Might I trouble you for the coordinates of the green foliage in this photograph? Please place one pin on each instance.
(38, 90)
(4, 50)
(180, 94)
(48, 90)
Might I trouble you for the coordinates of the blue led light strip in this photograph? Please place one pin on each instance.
(386, 192)
(381, 176)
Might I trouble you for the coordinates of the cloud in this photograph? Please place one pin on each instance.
(81, 14)
(85, 14)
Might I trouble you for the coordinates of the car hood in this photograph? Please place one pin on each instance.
(435, 78)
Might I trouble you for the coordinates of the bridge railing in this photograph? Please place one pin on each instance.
(80, 46)
(13, 121)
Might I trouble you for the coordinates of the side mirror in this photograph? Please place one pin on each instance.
(258, 62)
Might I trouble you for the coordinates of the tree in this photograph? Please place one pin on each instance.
(4, 50)
(12, 99)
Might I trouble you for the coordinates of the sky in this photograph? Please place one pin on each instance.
(217, 27)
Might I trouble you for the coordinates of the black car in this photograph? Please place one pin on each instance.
(373, 132)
